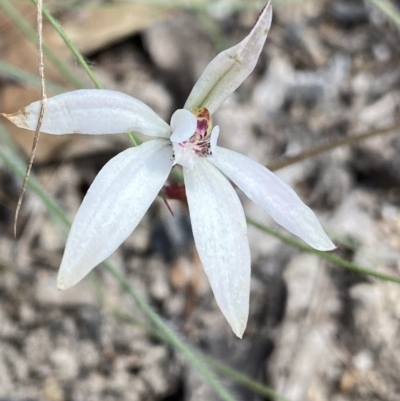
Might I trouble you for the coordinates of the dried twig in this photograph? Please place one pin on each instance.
(42, 110)
(329, 146)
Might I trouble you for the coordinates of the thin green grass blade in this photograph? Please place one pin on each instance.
(133, 139)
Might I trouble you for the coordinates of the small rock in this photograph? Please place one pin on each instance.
(363, 361)
(154, 372)
(89, 388)
(65, 364)
(89, 322)
(89, 357)
(27, 314)
(38, 347)
(50, 237)
(139, 241)
(8, 330)
(180, 273)
(350, 12)
(270, 93)
(159, 286)
(381, 113)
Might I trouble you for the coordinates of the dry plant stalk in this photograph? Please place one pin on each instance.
(42, 110)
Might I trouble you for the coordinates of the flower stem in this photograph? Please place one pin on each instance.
(132, 139)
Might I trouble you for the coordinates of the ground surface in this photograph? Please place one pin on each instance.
(316, 331)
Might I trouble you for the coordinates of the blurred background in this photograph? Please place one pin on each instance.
(330, 70)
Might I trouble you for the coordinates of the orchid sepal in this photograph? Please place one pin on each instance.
(226, 72)
(273, 195)
(113, 206)
(220, 233)
(92, 111)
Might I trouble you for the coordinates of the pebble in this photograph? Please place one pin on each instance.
(65, 363)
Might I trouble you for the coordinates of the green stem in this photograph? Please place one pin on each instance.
(323, 255)
(19, 21)
(134, 141)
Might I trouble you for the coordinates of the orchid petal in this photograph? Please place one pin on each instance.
(220, 233)
(113, 207)
(92, 111)
(183, 124)
(277, 198)
(230, 68)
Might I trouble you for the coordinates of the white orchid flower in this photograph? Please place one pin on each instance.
(127, 185)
